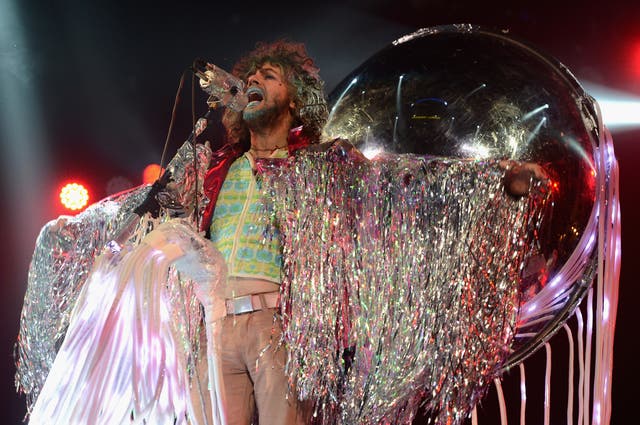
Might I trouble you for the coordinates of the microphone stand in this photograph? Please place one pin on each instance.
(150, 203)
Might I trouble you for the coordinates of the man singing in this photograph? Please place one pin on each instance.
(106, 330)
(284, 93)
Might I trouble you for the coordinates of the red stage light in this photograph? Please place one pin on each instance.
(635, 59)
(74, 196)
(151, 173)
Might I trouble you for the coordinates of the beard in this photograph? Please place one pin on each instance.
(265, 118)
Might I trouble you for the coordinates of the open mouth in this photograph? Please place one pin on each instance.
(254, 95)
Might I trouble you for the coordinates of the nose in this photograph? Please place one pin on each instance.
(252, 79)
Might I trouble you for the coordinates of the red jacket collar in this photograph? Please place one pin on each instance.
(222, 159)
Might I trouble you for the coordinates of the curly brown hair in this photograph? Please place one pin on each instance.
(305, 86)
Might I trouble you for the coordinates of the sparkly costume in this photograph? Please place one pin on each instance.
(405, 280)
(418, 258)
(126, 321)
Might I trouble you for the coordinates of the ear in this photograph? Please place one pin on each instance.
(292, 105)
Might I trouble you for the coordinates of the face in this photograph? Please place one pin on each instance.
(269, 99)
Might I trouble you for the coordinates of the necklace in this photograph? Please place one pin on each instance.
(267, 149)
(264, 152)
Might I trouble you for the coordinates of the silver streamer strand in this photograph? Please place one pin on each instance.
(121, 361)
(64, 256)
(400, 281)
(185, 191)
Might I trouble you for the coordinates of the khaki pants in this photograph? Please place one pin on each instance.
(253, 371)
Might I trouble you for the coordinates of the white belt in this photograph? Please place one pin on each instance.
(250, 303)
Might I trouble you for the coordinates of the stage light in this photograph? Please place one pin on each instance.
(619, 110)
(25, 156)
(74, 196)
(635, 59)
(151, 173)
(618, 114)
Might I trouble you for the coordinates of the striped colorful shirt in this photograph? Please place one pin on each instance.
(239, 226)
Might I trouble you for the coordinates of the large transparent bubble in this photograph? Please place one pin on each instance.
(466, 92)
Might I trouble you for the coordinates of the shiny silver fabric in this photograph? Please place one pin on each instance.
(64, 256)
(466, 92)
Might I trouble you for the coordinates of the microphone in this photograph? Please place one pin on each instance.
(223, 88)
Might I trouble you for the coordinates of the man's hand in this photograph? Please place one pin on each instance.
(150, 203)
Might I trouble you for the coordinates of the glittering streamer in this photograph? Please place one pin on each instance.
(609, 245)
(587, 355)
(501, 403)
(63, 257)
(581, 367)
(64, 254)
(400, 281)
(121, 361)
(185, 192)
(523, 394)
(547, 385)
(570, 381)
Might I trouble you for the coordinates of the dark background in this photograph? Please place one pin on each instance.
(87, 87)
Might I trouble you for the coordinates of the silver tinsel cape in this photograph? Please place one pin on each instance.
(64, 256)
(125, 357)
(401, 281)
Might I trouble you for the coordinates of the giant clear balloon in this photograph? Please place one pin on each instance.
(466, 92)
